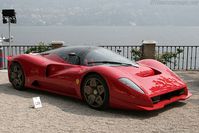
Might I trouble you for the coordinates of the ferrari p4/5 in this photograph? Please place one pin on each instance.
(99, 77)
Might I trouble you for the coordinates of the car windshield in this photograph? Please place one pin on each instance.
(103, 56)
(90, 56)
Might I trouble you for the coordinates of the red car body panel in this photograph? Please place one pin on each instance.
(51, 73)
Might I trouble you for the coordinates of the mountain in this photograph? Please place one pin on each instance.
(105, 12)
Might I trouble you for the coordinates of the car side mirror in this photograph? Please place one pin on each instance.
(74, 58)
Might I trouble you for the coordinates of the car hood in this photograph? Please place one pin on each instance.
(153, 82)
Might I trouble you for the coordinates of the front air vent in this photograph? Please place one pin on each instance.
(167, 96)
(156, 72)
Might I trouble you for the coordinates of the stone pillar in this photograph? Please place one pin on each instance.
(57, 44)
(148, 49)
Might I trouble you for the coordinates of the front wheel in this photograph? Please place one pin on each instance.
(16, 76)
(95, 91)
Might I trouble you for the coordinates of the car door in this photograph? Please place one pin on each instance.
(62, 75)
(63, 79)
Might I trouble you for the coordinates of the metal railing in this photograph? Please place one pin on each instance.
(15, 50)
(188, 59)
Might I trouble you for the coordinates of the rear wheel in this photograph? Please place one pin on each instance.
(95, 91)
(17, 77)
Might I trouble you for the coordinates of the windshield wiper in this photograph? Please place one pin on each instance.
(110, 62)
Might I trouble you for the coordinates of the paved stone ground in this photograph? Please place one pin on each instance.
(192, 80)
(63, 114)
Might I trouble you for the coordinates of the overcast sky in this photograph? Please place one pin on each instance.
(105, 12)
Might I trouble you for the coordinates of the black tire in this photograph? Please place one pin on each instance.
(95, 92)
(16, 76)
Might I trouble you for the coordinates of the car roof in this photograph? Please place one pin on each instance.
(72, 48)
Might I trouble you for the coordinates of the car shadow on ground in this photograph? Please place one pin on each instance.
(74, 106)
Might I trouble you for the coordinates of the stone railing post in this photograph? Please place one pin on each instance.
(57, 44)
(148, 49)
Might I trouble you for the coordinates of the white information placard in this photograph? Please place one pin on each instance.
(37, 102)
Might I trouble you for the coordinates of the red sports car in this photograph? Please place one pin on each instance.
(98, 76)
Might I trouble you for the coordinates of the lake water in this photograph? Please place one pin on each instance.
(102, 35)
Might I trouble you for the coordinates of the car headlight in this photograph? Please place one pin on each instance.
(130, 84)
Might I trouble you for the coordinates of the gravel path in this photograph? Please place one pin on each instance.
(62, 114)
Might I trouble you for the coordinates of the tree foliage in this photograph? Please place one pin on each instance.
(41, 47)
(164, 57)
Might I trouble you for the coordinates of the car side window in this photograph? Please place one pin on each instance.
(63, 56)
(73, 60)
(69, 59)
